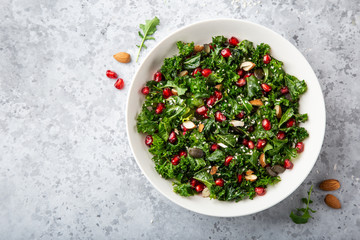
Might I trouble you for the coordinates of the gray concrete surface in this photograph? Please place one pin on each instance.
(66, 169)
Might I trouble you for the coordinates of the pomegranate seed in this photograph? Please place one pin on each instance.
(241, 115)
(248, 75)
(251, 144)
(119, 84)
(166, 93)
(219, 182)
(214, 147)
(172, 137)
(212, 46)
(175, 160)
(211, 101)
(233, 41)
(288, 164)
(199, 187)
(196, 70)
(241, 82)
(206, 115)
(157, 77)
(226, 52)
(218, 95)
(300, 147)
(206, 72)
(183, 153)
(266, 124)
(241, 72)
(228, 160)
(290, 123)
(245, 142)
(145, 90)
(111, 74)
(194, 182)
(149, 140)
(284, 90)
(159, 108)
(281, 135)
(260, 143)
(267, 59)
(239, 177)
(202, 110)
(219, 116)
(260, 191)
(251, 129)
(266, 87)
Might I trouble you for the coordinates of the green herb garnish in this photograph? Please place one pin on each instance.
(303, 218)
(148, 29)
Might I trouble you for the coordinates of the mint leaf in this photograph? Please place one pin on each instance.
(148, 29)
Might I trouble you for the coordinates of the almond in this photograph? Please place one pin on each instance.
(205, 193)
(249, 172)
(122, 57)
(256, 102)
(201, 127)
(218, 87)
(247, 66)
(174, 91)
(262, 160)
(251, 178)
(198, 48)
(237, 123)
(332, 201)
(213, 170)
(183, 73)
(189, 125)
(278, 111)
(329, 185)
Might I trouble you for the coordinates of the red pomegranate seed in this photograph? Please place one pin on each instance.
(206, 115)
(239, 177)
(260, 143)
(194, 182)
(241, 115)
(218, 95)
(233, 41)
(284, 90)
(119, 84)
(226, 52)
(196, 70)
(175, 160)
(202, 110)
(145, 90)
(300, 147)
(149, 140)
(157, 77)
(241, 72)
(251, 144)
(290, 123)
(166, 93)
(182, 153)
(211, 101)
(219, 116)
(241, 82)
(248, 75)
(214, 147)
(245, 142)
(111, 74)
(206, 72)
(219, 182)
(281, 135)
(251, 129)
(267, 59)
(228, 160)
(266, 87)
(200, 187)
(288, 164)
(160, 108)
(266, 124)
(260, 191)
(172, 137)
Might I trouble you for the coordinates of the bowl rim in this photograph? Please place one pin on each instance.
(322, 130)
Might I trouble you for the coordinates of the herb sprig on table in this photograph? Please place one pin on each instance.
(148, 29)
(303, 218)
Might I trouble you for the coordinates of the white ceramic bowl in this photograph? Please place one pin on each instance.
(312, 102)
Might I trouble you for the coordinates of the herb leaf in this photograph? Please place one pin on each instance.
(148, 29)
(301, 219)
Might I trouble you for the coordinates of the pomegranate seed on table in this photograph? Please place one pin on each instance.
(175, 160)
(214, 147)
(200, 187)
(241, 72)
(149, 140)
(241, 115)
(196, 70)
(219, 116)
(157, 77)
(172, 137)
(290, 123)
(266, 124)
(211, 101)
(219, 182)
(166, 93)
(241, 82)
(183, 153)
(111, 74)
(233, 41)
(260, 143)
(281, 135)
(226, 52)
(206, 72)
(239, 178)
(201, 110)
(266, 87)
(267, 59)
(119, 84)
(284, 90)
(300, 147)
(288, 164)
(218, 95)
(145, 90)
(228, 160)
(245, 142)
(159, 108)
(251, 144)
(260, 191)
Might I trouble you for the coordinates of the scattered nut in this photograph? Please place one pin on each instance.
(259, 73)
(329, 185)
(205, 193)
(196, 152)
(251, 178)
(201, 127)
(262, 160)
(207, 48)
(271, 172)
(213, 170)
(218, 87)
(189, 125)
(247, 66)
(176, 131)
(198, 48)
(122, 57)
(183, 73)
(332, 201)
(236, 123)
(249, 172)
(174, 91)
(256, 102)
(278, 169)
(278, 111)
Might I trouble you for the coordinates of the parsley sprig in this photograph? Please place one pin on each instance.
(148, 29)
(303, 218)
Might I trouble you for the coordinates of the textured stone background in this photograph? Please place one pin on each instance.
(66, 169)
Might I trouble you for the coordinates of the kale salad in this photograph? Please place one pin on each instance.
(222, 119)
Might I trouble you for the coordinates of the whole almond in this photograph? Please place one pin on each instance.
(122, 57)
(329, 185)
(332, 201)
